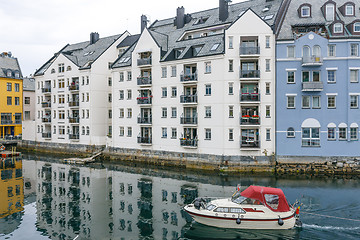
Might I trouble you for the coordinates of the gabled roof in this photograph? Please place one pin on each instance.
(128, 41)
(9, 64)
(29, 84)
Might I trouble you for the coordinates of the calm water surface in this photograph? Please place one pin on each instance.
(43, 199)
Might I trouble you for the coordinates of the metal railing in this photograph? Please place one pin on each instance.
(73, 103)
(188, 142)
(249, 97)
(249, 50)
(312, 86)
(144, 61)
(46, 135)
(245, 120)
(74, 136)
(74, 119)
(144, 140)
(46, 90)
(144, 81)
(250, 144)
(188, 120)
(46, 120)
(188, 77)
(74, 87)
(144, 100)
(312, 60)
(249, 73)
(46, 104)
(5, 122)
(188, 99)
(144, 120)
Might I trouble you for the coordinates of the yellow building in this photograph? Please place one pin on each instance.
(11, 91)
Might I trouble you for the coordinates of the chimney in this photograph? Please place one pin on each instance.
(223, 9)
(143, 22)
(180, 17)
(94, 37)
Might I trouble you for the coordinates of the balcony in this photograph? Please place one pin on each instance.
(249, 51)
(249, 97)
(144, 100)
(46, 104)
(312, 61)
(73, 103)
(144, 61)
(249, 144)
(74, 119)
(188, 99)
(74, 136)
(46, 90)
(312, 86)
(144, 140)
(188, 77)
(187, 142)
(74, 87)
(46, 119)
(188, 120)
(6, 122)
(250, 74)
(249, 120)
(144, 120)
(141, 81)
(46, 135)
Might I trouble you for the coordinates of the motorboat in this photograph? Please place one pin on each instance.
(256, 207)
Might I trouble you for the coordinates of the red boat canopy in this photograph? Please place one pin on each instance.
(273, 198)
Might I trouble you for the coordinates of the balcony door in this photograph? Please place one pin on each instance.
(190, 133)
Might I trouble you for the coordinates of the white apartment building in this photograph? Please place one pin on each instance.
(73, 92)
(200, 83)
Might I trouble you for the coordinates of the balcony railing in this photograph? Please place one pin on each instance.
(46, 90)
(144, 81)
(188, 99)
(74, 119)
(46, 135)
(249, 50)
(188, 120)
(187, 142)
(312, 86)
(249, 73)
(144, 140)
(312, 61)
(74, 87)
(74, 136)
(46, 104)
(73, 103)
(188, 77)
(144, 120)
(250, 144)
(6, 122)
(249, 97)
(46, 119)
(144, 61)
(144, 100)
(247, 120)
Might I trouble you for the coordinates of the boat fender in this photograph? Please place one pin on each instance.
(238, 220)
(2, 148)
(280, 222)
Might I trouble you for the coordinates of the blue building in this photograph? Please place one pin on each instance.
(317, 89)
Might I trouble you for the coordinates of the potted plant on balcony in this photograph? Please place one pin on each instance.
(245, 116)
(255, 116)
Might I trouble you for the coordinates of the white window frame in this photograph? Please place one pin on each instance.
(290, 132)
(357, 27)
(290, 51)
(331, 50)
(328, 79)
(333, 134)
(287, 77)
(347, 8)
(207, 133)
(163, 132)
(342, 130)
(207, 67)
(303, 8)
(287, 102)
(303, 100)
(356, 98)
(328, 97)
(354, 137)
(314, 141)
(316, 107)
(336, 30)
(356, 72)
(354, 52)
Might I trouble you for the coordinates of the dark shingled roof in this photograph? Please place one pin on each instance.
(128, 41)
(9, 64)
(29, 84)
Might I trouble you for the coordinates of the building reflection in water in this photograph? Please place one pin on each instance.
(12, 194)
(107, 204)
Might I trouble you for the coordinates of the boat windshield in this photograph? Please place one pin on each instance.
(237, 198)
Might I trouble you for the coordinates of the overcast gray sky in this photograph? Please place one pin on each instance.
(34, 30)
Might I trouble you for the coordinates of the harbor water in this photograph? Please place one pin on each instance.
(42, 198)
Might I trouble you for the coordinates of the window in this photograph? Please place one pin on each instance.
(330, 12)
(129, 113)
(17, 87)
(316, 76)
(231, 65)
(354, 52)
(61, 114)
(121, 110)
(109, 81)
(267, 65)
(110, 97)
(8, 87)
(268, 138)
(163, 72)
(61, 67)
(110, 113)
(353, 133)
(331, 101)
(27, 115)
(83, 80)
(291, 51)
(121, 131)
(231, 42)
(354, 101)
(338, 28)
(305, 101)
(61, 99)
(267, 41)
(231, 88)
(121, 94)
(231, 111)
(9, 101)
(173, 112)
(9, 73)
(129, 94)
(87, 113)
(88, 97)
(87, 82)
(316, 102)
(173, 91)
(311, 137)
(357, 27)
(62, 130)
(164, 112)
(267, 111)
(207, 133)
(164, 92)
(354, 78)
(129, 131)
(61, 83)
(349, 10)
(332, 50)
(305, 11)
(164, 132)
(215, 46)
(207, 89)
(173, 133)
(290, 77)
(290, 133)
(208, 112)
(231, 134)
(267, 90)
(342, 133)
(331, 133)
(290, 101)
(208, 67)
(129, 76)
(306, 76)
(331, 76)
(17, 101)
(121, 77)
(173, 71)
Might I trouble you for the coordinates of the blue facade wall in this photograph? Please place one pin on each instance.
(341, 115)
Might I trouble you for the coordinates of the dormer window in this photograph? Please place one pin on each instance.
(330, 12)
(338, 28)
(305, 11)
(349, 10)
(357, 27)
(17, 74)
(8, 73)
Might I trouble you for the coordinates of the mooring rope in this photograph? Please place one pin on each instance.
(321, 215)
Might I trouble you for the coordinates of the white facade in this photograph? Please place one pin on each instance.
(219, 133)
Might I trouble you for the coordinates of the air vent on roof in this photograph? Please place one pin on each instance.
(265, 9)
